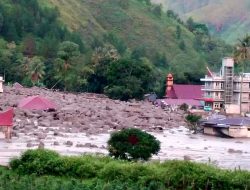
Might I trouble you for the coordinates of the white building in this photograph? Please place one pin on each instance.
(227, 90)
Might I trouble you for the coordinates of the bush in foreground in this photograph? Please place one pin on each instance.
(105, 173)
(133, 144)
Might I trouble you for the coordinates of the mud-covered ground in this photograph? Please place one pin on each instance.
(87, 113)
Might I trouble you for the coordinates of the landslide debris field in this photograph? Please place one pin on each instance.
(85, 113)
(83, 123)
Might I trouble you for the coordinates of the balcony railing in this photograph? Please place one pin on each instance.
(245, 78)
(216, 98)
(206, 87)
(244, 89)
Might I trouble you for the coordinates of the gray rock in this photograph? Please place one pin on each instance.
(69, 143)
(187, 158)
(29, 144)
(41, 136)
(41, 145)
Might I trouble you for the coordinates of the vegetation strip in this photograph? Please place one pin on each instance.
(94, 169)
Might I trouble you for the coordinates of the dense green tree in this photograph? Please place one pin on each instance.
(157, 10)
(182, 45)
(124, 4)
(118, 43)
(161, 60)
(190, 24)
(67, 54)
(242, 49)
(178, 32)
(128, 79)
(1, 21)
(29, 46)
(101, 59)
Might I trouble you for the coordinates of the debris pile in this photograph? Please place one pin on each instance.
(86, 113)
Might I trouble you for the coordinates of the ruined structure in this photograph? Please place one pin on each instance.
(238, 127)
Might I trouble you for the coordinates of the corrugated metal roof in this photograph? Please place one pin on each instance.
(235, 121)
(182, 91)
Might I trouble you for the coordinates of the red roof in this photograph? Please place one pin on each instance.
(16, 85)
(36, 103)
(183, 91)
(6, 118)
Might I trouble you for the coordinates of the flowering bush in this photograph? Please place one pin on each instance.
(133, 144)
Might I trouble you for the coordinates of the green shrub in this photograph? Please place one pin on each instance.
(192, 121)
(192, 118)
(39, 162)
(133, 144)
(106, 173)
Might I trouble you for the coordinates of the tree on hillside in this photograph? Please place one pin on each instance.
(29, 46)
(190, 24)
(101, 58)
(178, 32)
(242, 57)
(1, 21)
(242, 49)
(182, 45)
(128, 79)
(157, 10)
(117, 42)
(35, 70)
(67, 54)
(124, 4)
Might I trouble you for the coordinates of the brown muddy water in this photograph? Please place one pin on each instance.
(177, 143)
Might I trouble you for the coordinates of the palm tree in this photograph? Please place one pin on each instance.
(241, 55)
(68, 54)
(35, 69)
(242, 50)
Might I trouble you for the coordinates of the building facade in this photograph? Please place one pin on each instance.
(227, 90)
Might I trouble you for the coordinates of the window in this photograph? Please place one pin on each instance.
(217, 84)
(216, 105)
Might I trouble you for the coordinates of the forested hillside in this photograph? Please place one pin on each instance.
(227, 19)
(121, 48)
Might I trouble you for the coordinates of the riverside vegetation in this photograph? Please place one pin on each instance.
(45, 169)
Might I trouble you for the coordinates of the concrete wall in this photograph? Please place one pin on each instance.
(234, 131)
(210, 131)
(232, 109)
(245, 107)
(238, 132)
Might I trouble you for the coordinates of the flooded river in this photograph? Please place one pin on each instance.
(177, 143)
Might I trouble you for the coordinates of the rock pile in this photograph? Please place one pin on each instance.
(85, 112)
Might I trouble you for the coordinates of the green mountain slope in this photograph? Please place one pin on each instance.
(227, 19)
(141, 29)
(123, 48)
